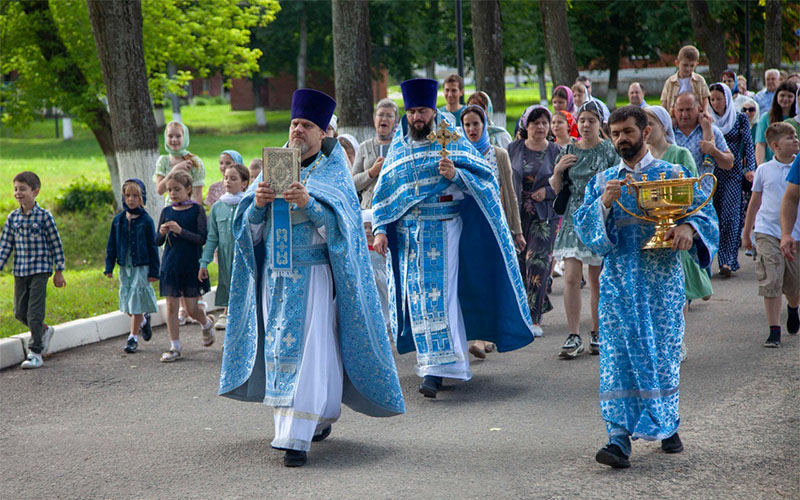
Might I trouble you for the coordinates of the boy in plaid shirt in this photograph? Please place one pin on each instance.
(31, 232)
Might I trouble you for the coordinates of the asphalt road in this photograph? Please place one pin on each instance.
(97, 423)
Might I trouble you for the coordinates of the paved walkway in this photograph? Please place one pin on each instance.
(96, 423)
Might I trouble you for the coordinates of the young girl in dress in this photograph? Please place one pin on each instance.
(220, 236)
(182, 229)
(131, 244)
(226, 159)
(176, 142)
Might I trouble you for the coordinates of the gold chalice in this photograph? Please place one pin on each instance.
(664, 201)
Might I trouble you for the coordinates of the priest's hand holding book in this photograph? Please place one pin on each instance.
(264, 194)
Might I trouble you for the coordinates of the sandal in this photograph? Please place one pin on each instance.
(170, 356)
(208, 333)
(477, 351)
(490, 347)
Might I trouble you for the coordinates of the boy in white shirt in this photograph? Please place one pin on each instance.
(775, 272)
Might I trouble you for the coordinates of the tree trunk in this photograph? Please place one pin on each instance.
(709, 33)
(352, 70)
(560, 53)
(71, 81)
(542, 84)
(117, 30)
(772, 34)
(303, 51)
(613, 80)
(430, 70)
(487, 41)
(261, 116)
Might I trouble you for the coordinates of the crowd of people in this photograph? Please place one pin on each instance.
(374, 242)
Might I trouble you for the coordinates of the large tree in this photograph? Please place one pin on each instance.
(772, 34)
(117, 30)
(710, 35)
(560, 53)
(487, 39)
(49, 46)
(353, 72)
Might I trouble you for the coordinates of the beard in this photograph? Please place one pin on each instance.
(420, 134)
(299, 144)
(629, 151)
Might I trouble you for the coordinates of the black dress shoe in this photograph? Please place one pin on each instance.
(146, 329)
(430, 386)
(612, 455)
(672, 444)
(294, 458)
(321, 435)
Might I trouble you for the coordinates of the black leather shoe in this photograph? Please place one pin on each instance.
(430, 386)
(321, 435)
(131, 345)
(672, 444)
(294, 458)
(146, 329)
(612, 455)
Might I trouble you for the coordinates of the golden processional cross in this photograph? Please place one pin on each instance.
(444, 137)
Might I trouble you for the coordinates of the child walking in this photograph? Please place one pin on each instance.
(176, 142)
(216, 190)
(776, 274)
(131, 244)
(30, 231)
(220, 236)
(182, 229)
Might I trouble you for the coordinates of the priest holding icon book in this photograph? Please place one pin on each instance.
(305, 328)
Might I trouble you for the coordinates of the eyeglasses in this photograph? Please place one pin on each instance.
(749, 110)
(388, 116)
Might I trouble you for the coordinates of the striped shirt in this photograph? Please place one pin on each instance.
(35, 241)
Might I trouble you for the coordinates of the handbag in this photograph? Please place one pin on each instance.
(562, 198)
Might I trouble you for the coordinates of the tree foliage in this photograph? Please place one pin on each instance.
(199, 37)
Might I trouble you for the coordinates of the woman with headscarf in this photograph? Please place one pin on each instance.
(728, 196)
(563, 122)
(575, 167)
(783, 107)
(226, 159)
(498, 136)
(730, 79)
(563, 101)
(474, 126)
(661, 143)
(532, 161)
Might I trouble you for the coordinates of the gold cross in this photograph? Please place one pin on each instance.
(444, 137)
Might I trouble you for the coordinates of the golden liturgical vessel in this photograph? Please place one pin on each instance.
(664, 201)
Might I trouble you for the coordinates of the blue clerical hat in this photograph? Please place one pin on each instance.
(420, 92)
(314, 106)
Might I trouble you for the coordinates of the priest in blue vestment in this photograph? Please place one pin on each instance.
(305, 329)
(453, 271)
(641, 294)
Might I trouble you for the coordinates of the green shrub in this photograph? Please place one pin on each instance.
(84, 195)
(202, 100)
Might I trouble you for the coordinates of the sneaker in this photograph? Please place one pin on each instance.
(672, 444)
(131, 345)
(48, 334)
(594, 343)
(222, 322)
(749, 253)
(792, 322)
(33, 360)
(774, 339)
(537, 331)
(612, 455)
(146, 330)
(170, 356)
(322, 434)
(183, 318)
(725, 272)
(208, 333)
(558, 269)
(572, 347)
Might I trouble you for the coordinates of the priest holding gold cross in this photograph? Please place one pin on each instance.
(453, 271)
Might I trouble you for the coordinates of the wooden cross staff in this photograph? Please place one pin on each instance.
(444, 137)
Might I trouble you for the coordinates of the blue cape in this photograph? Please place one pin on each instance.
(490, 287)
(371, 385)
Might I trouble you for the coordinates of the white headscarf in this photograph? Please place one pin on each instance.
(756, 115)
(728, 119)
(352, 140)
(666, 122)
(334, 122)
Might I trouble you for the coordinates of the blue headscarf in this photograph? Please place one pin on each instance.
(482, 144)
(134, 211)
(237, 158)
(735, 89)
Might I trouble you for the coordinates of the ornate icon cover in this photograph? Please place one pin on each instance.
(281, 168)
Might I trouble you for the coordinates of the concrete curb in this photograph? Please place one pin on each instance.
(14, 349)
